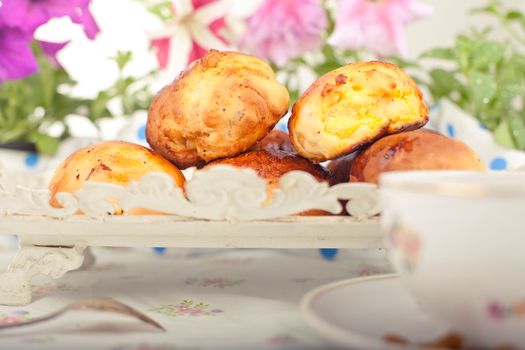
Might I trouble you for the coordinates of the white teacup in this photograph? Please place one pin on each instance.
(458, 241)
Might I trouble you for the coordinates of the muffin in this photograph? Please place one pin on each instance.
(352, 106)
(112, 162)
(271, 165)
(414, 150)
(340, 167)
(221, 106)
(276, 140)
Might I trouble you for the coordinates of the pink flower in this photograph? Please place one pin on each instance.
(194, 30)
(283, 29)
(18, 21)
(376, 25)
(495, 310)
(10, 320)
(16, 56)
(50, 50)
(27, 15)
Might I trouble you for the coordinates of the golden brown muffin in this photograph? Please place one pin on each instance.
(219, 107)
(276, 140)
(271, 165)
(114, 162)
(414, 150)
(340, 167)
(353, 106)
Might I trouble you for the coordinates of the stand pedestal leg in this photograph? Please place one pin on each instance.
(89, 259)
(15, 283)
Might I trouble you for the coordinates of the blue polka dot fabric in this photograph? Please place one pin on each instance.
(31, 160)
(328, 253)
(498, 163)
(159, 250)
(141, 134)
(451, 130)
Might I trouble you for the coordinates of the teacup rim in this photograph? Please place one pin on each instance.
(457, 183)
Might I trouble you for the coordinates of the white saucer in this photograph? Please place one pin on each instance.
(357, 314)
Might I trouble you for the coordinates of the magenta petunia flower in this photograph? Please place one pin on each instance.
(51, 49)
(16, 56)
(376, 25)
(18, 21)
(27, 15)
(283, 29)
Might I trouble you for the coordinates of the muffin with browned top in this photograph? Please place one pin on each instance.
(112, 162)
(414, 150)
(221, 106)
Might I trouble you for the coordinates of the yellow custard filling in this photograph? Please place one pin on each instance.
(371, 99)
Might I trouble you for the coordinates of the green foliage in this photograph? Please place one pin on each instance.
(163, 9)
(485, 76)
(30, 106)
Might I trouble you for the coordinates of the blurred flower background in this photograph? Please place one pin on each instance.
(73, 71)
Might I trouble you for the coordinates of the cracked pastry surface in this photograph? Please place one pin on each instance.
(413, 150)
(112, 162)
(219, 107)
(352, 106)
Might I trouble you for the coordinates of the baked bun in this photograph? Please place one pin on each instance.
(272, 165)
(353, 106)
(219, 107)
(114, 162)
(276, 140)
(340, 167)
(414, 150)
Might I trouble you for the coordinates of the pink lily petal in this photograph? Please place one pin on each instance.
(162, 48)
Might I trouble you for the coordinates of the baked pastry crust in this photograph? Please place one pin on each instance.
(352, 106)
(271, 165)
(340, 167)
(219, 107)
(276, 140)
(113, 162)
(414, 150)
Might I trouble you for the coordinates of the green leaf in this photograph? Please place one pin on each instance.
(325, 67)
(514, 15)
(439, 53)
(517, 130)
(492, 8)
(46, 144)
(502, 135)
(98, 108)
(463, 47)
(122, 58)
(443, 83)
(162, 9)
(486, 54)
(482, 88)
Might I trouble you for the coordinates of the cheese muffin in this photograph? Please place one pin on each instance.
(352, 106)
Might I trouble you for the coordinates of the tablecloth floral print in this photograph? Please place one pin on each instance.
(205, 298)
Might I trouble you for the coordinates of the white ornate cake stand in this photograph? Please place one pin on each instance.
(223, 207)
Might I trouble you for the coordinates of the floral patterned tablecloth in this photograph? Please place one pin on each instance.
(206, 299)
